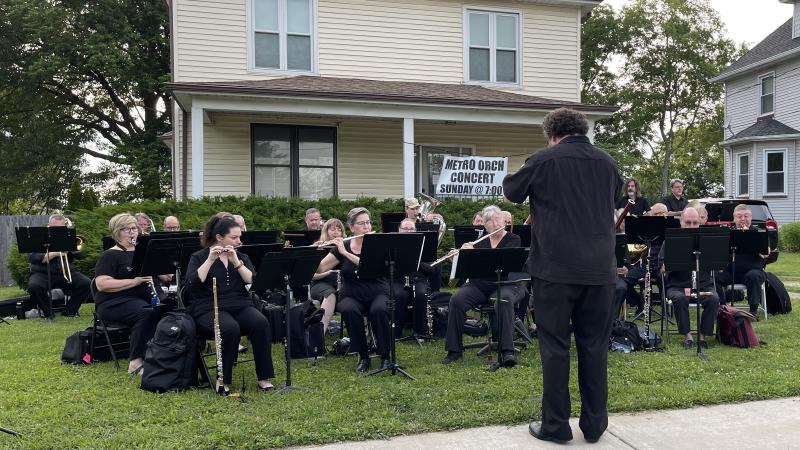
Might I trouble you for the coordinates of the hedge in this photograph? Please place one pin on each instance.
(260, 213)
(790, 237)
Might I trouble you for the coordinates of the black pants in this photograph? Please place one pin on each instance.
(588, 307)
(235, 321)
(470, 296)
(625, 290)
(419, 305)
(752, 280)
(136, 313)
(78, 290)
(680, 302)
(353, 312)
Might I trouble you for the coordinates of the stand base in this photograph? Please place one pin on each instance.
(11, 432)
(286, 389)
(419, 338)
(395, 368)
(2, 320)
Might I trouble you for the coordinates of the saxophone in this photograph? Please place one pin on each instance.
(217, 339)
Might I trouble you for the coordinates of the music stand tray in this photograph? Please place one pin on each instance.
(43, 240)
(301, 238)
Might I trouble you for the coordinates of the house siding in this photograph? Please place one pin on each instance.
(369, 152)
(415, 40)
(783, 207)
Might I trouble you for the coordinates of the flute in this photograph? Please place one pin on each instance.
(217, 339)
(454, 252)
(330, 243)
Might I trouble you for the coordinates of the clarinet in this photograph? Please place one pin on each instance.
(429, 309)
(217, 339)
(647, 294)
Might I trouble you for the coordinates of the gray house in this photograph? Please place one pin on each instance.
(762, 122)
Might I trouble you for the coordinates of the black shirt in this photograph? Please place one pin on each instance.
(117, 265)
(572, 188)
(746, 262)
(352, 286)
(641, 206)
(674, 204)
(509, 240)
(231, 288)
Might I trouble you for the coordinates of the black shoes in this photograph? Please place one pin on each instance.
(384, 363)
(535, 429)
(703, 344)
(509, 359)
(363, 365)
(688, 343)
(452, 357)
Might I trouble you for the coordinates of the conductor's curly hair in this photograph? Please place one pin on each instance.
(564, 122)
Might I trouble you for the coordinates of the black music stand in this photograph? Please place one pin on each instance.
(488, 262)
(301, 238)
(259, 237)
(467, 233)
(696, 250)
(523, 231)
(390, 254)
(44, 240)
(621, 250)
(429, 247)
(747, 242)
(390, 221)
(279, 271)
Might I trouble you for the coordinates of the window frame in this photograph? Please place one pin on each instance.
(784, 152)
(282, 41)
(739, 174)
(294, 156)
(493, 12)
(761, 78)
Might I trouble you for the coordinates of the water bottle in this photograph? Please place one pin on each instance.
(153, 295)
(20, 310)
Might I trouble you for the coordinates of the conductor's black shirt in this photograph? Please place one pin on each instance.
(572, 187)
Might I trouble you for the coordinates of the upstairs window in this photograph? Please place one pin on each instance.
(767, 83)
(282, 34)
(492, 51)
(775, 172)
(742, 175)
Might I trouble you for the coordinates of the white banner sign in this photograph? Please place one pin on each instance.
(472, 175)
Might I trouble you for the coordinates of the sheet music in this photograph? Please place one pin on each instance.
(421, 250)
(453, 268)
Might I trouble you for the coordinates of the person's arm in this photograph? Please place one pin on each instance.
(241, 268)
(105, 283)
(328, 263)
(516, 186)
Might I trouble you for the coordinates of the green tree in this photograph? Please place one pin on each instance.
(95, 69)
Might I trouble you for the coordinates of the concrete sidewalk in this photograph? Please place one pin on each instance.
(769, 424)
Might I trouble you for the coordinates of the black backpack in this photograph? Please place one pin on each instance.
(170, 360)
(76, 348)
(625, 337)
(778, 301)
(308, 340)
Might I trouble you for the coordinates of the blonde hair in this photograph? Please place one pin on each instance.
(118, 223)
(328, 225)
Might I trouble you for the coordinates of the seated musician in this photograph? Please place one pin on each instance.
(478, 291)
(633, 192)
(628, 277)
(703, 213)
(413, 208)
(658, 210)
(676, 202)
(360, 298)
(312, 220)
(325, 284)
(678, 284)
(749, 268)
(239, 221)
(37, 283)
(421, 283)
(171, 223)
(122, 297)
(508, 218)
(144, 223)
(237, 313)
(477, 219)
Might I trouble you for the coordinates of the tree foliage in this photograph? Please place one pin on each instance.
(90, 73)
(655, 59)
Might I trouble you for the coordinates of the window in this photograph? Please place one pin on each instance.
(294, 161)
(767, 83)
(775, 172)
(492, 44)
(742, 172)
(282, 34)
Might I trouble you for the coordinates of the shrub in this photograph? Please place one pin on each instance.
(260, 213)
(790, 237)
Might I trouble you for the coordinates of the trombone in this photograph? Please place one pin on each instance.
(63, 257)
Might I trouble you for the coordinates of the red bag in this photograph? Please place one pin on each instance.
(735, 327)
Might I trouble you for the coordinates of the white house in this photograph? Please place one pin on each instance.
(762, 119)
(314, 98)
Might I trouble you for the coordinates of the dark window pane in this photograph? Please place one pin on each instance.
(271, 146)
(478, 64)
(743, 164)
(316, 146)
(266, 51)
(774, 162)
(742, 185)
(506, 66)
(775, 182)
(766, 104)
(298, 52)
(316, 183)
(272, 181)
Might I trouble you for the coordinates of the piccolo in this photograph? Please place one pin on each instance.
(332, 244)
(454, 252)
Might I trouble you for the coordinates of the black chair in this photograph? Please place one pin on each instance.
(488, 312)
(108, 329)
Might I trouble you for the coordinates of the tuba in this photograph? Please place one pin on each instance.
(428, 205)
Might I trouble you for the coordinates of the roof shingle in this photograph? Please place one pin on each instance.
(778, 42)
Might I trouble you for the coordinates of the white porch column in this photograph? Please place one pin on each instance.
(590, 134)
(408, 158)
(197, 151)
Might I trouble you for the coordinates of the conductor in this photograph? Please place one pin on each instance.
(572, 187)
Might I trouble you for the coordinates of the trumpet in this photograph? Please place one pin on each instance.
(455, 251)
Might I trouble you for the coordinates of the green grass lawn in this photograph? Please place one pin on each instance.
(11, 292)
(62, 406)
(787, 267)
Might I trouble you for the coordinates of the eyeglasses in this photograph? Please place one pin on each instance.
(408, 229)
(173, 228)
(363, 223)
(130, 229)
